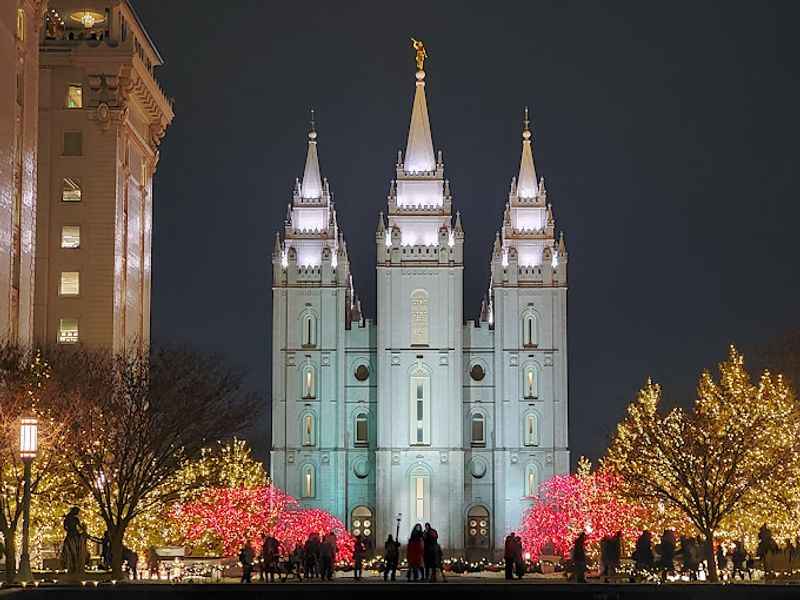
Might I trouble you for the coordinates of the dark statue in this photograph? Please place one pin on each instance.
(73, 551)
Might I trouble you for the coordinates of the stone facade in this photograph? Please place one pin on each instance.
(419, 416)
(20, 25)
(103, 116)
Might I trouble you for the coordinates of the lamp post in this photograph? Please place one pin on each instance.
(28, 447)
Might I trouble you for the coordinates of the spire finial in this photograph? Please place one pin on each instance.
(527, 185)
(312, 132)
(420, 57)
(526, 126)
(419, 155)
(312, 181)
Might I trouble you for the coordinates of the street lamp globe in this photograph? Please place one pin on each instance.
(28, 437)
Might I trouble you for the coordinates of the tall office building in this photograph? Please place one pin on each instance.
(102, 118)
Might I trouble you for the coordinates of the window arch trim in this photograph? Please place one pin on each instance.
(419, 393)
(308, 381)
(361, 429)
(530, 329)
(419, 478)
(308, 481)
(308, 439)
(477, 429)
(531, 380)
(309, 326)
(531, 481)
(531, 429)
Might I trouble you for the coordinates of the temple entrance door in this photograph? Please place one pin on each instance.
(478, 533)
(362, 522)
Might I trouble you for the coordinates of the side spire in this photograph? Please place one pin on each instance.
(527, 185)
(419, 147)
(312, 182)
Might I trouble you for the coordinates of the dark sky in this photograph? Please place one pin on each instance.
(667, 132)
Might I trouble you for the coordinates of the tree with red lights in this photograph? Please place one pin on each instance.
(570, 504)
(296, 524)
(228, 517)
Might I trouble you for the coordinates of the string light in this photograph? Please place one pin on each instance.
(727, 466)
(567, 505)
(228, 517)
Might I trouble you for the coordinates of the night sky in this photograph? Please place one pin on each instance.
(667, 133)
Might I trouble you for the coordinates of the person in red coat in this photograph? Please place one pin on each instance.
(414, 553)
(508, 554)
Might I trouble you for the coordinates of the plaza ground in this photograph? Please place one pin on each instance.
(462, 587)
(484, 585)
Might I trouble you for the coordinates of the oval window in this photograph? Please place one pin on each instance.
(477, 372)
(477, 469)
(362, 372)
(361, 470)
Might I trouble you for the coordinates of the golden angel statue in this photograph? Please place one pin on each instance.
(421, 54)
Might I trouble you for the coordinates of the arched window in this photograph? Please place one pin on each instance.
(530, 382)
(478, 532)
(478, 430)
(308, 331)
(420, 490)
(307, 482)
(419, 318)
(420, 392)
(309, 383)
(531, 481)
(531, 433)
(362, 430)
(530, 333)
(309, 433)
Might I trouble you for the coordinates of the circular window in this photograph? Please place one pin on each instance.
(356, 531)
(477, 372)
(356, 523)
(477, 469)
(361, 470)
(367, 532)
(362, 372)
(473, 532)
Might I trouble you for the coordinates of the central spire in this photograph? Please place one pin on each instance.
(312, 182)
(419, 148)
(526, 182)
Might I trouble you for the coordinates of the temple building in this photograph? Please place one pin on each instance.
(419, 416)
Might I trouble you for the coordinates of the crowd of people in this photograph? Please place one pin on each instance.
(316, 558)
(671, 556)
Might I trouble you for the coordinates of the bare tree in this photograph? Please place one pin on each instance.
(136, 420)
